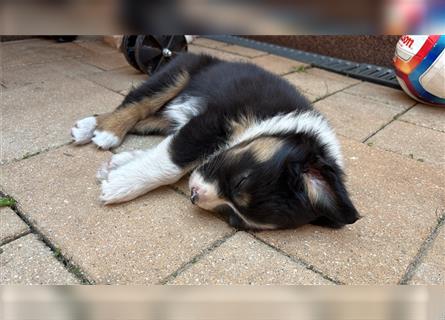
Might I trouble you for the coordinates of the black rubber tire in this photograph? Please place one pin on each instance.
(128, 49)
(148, 51)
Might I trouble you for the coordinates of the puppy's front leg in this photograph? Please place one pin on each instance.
(148, 170)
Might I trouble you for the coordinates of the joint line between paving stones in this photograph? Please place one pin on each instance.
(423, 250)
(215, 245)
(16, 237)
(332, 93)
(67, 263)
(420, 125)
(298, 261)
(31, 155)
(308, 67)
(396, 117)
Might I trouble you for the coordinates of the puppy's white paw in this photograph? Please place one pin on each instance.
(105, 139)
(82, 132)
(116, 161)
(121, 186)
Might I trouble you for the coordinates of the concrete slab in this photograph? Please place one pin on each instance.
(119, 79)
(28, 261)
(382, 94)
(398, 199)
(277, 64)
(140, 242)
(97, 46)
(243, 51)
(416, 142)
(426, 116)
(107, 61)
(244, 260)
(432, 269)
(11, 226)
(319, 83)
(216, 53)
(45, 114)
(356, 117)
(42, 74)
(36, 51)
(209, 43)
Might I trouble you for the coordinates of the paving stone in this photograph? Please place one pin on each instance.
(216, 53)
(108, 61)
(398, 199)
(356, 117)
(432, 269)
(118, 80)
(139, 242)
(416, 142)
(96, 46)
(319, 83)
(382, 94)
(29, 261)
(41, 74)
(36, 51)
(40, 117)
(243, 51)
(244, 260)
(209, 43)
(136, 142)
(11, 226)
(426, 116)
(277, 64)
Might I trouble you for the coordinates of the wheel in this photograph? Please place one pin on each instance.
(151, 52)
(128, 49)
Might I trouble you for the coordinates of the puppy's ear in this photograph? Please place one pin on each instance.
(322, 183)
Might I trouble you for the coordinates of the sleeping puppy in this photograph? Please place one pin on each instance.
(253, 143)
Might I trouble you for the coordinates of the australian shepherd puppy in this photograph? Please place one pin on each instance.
(254, 145)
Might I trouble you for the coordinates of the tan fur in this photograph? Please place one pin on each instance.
(243, 199)
(151, 124)
(317, 190)
(262, 148)
(126, 117)
(239, 126)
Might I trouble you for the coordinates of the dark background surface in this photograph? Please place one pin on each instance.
(378, 50)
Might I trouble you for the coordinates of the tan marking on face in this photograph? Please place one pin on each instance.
(264, 148)
(243, 199)
(127, 116)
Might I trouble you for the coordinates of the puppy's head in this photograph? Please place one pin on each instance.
(275, 182)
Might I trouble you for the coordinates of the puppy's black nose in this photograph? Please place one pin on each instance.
(194, 197)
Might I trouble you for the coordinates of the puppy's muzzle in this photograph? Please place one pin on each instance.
(194, 197)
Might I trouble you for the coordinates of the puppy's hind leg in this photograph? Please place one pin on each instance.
(148, 170)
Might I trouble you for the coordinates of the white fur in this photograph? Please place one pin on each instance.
(208, 193)
(181, 111)
(307, 122)
(105, 139)
(209, 200)
(116, 161)
(147, 171)
(82, 132)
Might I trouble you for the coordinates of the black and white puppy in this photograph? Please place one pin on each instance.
(253, 142)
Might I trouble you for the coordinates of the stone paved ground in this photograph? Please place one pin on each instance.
(59, 233)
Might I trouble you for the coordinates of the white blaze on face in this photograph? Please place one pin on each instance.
(208, 197)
